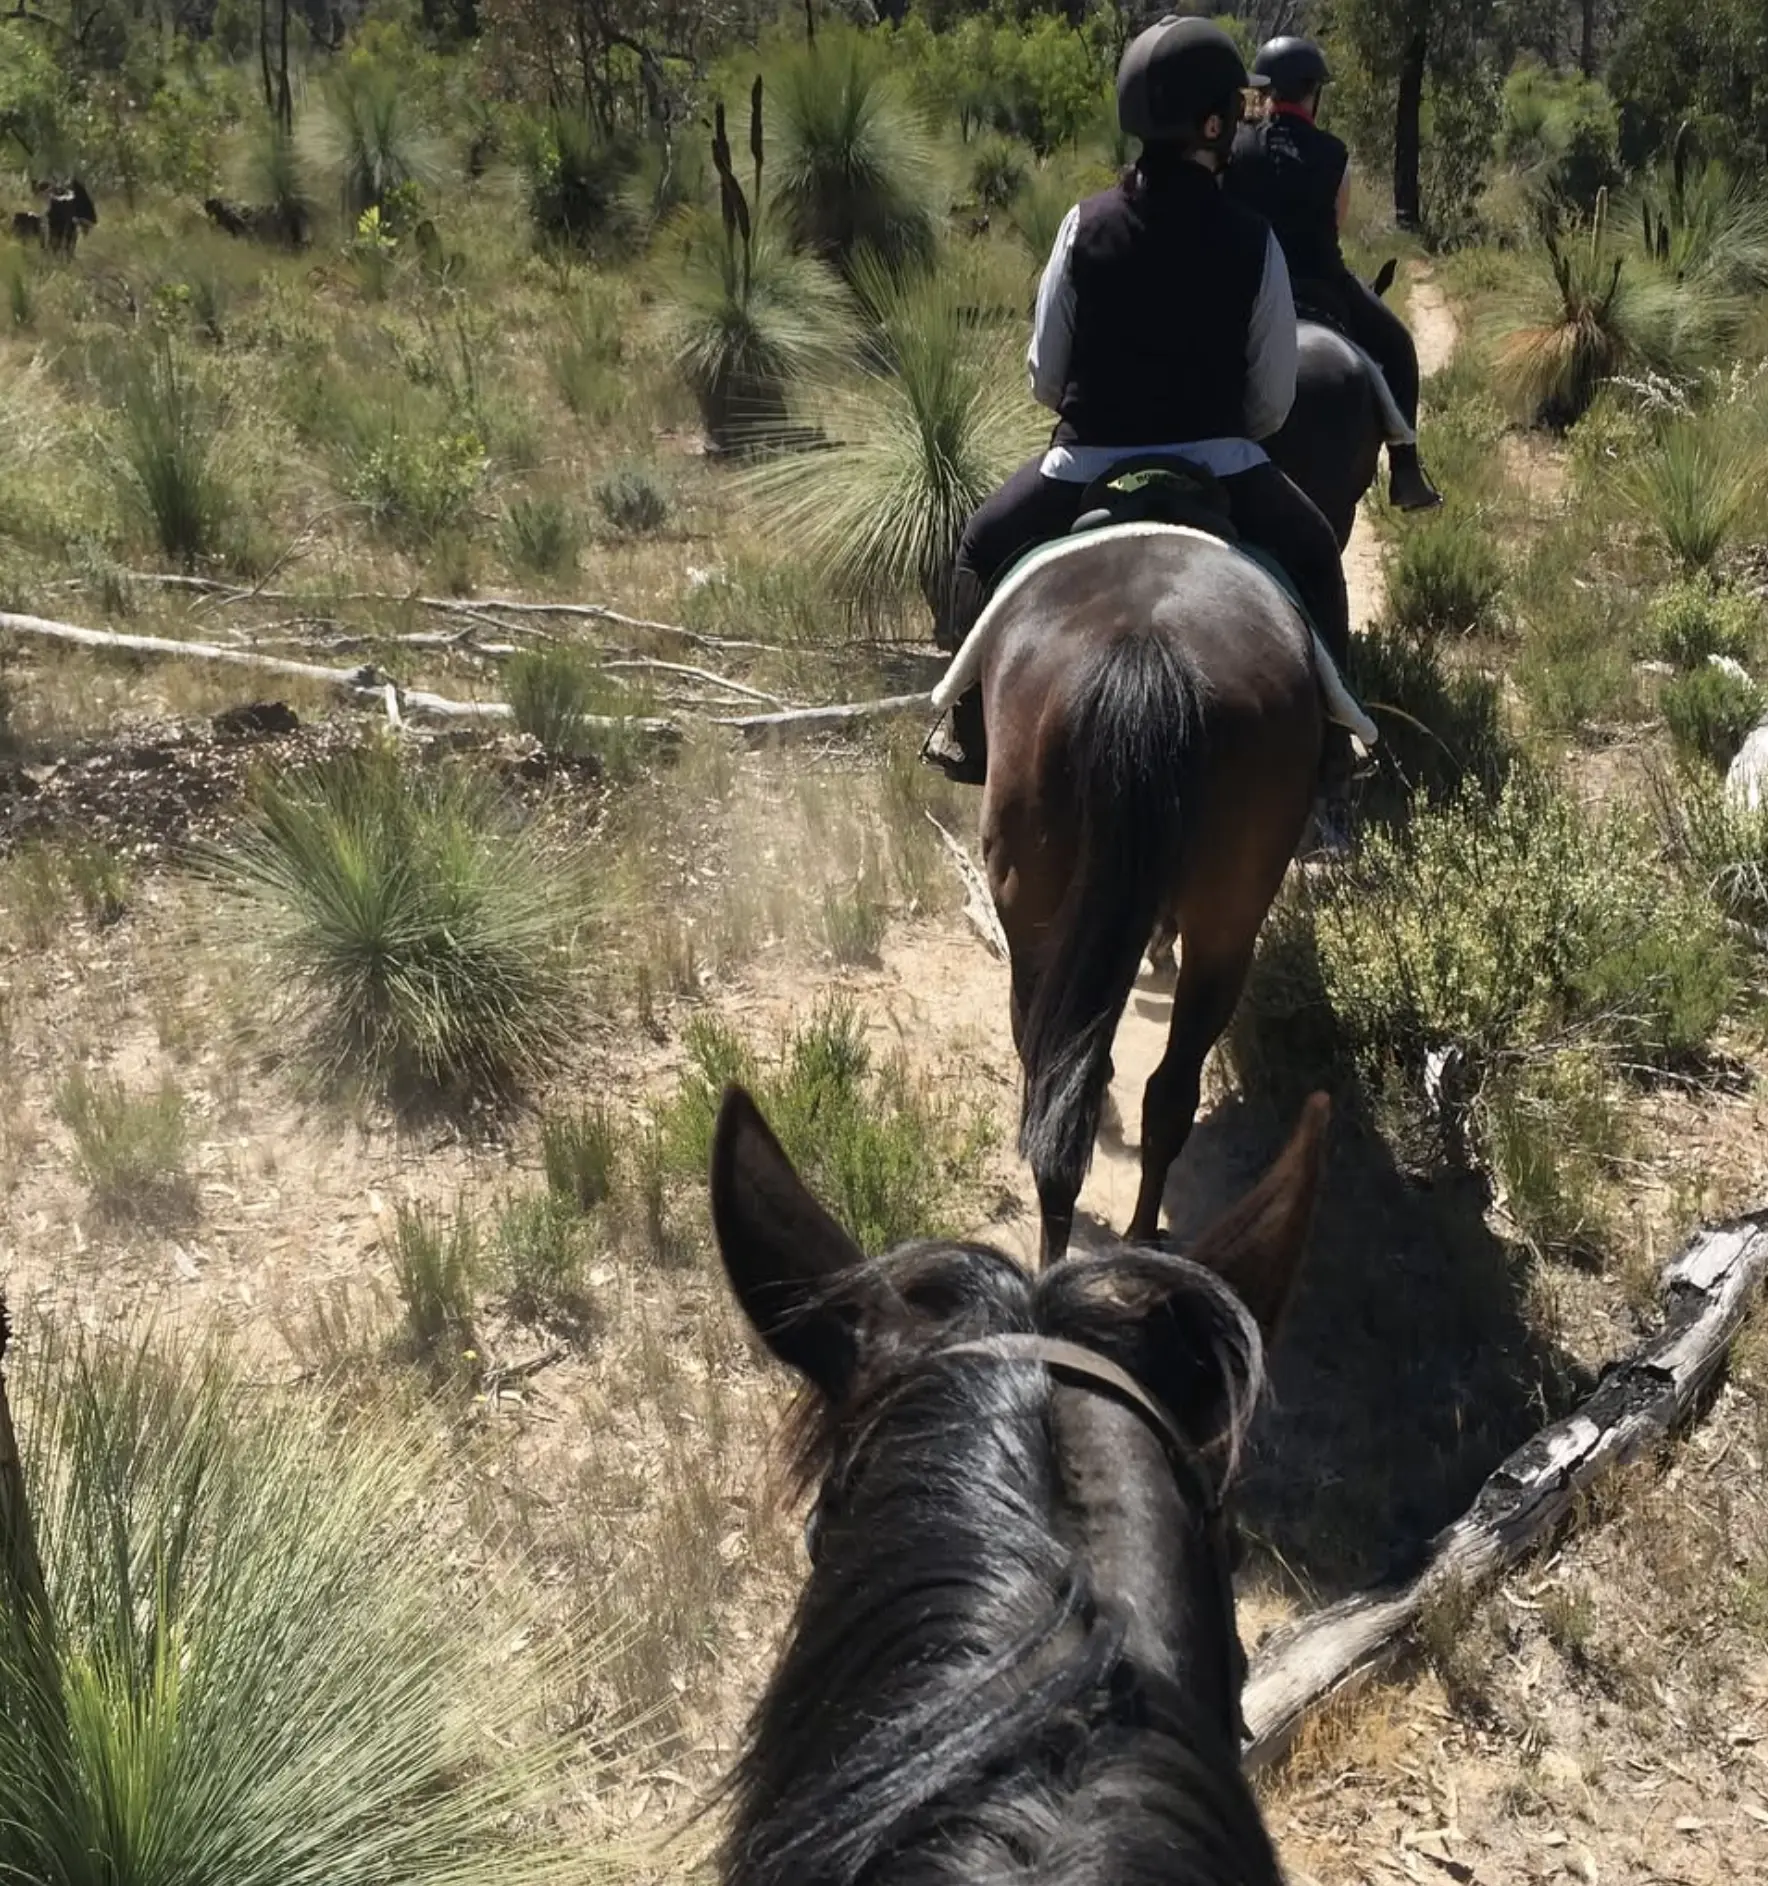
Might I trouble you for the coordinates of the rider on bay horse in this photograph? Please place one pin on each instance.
(1297, 177)
(1164, 324)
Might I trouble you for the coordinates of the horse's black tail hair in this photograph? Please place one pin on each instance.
(1133, 733)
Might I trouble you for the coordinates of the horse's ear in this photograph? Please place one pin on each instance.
(1257, 1246)
(785, 1256)
(1384, 276)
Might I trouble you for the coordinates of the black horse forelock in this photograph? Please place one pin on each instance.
(954, 1702)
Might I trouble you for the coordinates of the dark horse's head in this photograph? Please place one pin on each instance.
(1016, 1651)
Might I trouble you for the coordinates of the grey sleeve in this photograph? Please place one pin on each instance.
(1052, 326)
(1270, 349)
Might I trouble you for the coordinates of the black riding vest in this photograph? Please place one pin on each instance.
(1165, 276)
(1289, 171)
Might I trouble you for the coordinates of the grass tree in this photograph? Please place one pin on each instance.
(855, 160)
(418, 933)
(746, 316)
(1593, 310)
(232, 1647)
(371, 139)
(920, 436)
(1694, 488)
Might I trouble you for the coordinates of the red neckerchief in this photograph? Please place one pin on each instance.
(1285, 108)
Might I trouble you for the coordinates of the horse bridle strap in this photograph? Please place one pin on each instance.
(1087, 1368)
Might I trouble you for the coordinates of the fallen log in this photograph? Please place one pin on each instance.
(796, 722)
(1706, 1292)
(481, 608)
(365, 684)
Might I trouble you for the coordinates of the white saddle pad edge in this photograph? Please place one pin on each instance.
(966, 665)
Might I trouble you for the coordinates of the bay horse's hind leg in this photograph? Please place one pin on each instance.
(1203, 1004)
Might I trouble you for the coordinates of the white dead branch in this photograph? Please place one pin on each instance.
(1706, 1292)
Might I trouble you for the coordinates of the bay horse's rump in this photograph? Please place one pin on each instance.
(1154, 732)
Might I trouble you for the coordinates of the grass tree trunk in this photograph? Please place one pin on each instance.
(1587, 38)
(1408, 106)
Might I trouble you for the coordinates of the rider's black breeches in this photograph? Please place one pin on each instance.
(1029, 509)
(1382, 335)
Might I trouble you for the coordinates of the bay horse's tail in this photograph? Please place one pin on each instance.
(1132, 740)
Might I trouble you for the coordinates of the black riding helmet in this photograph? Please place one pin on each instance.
(1174, 75)
(1292, 67)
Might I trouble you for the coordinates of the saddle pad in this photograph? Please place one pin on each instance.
(966, 664)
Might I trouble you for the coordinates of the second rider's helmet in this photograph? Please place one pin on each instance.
(1292, 67)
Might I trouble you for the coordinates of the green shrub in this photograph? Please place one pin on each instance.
(414, 480)
(1693, 488)
(131, 1150)
(1498, 935)
(435, 1262)
(889, 1155)
(1444, 577)
(167, 461)
(1689, 622)
(579, 1153)
(1562, 131)
(853, 161)
(1723, 846)
(418, 931)
(1710, 712)
(540, 536)
(205, 1546)
(930, 430)
(1442, 729)
(634, 499)
(1553, 1129)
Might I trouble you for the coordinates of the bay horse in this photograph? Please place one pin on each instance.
(1015, 1655)
(1155, 720)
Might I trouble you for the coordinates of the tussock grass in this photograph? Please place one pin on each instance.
(1694, 488)
(580, 1153)
(166, 454)
(889, 1155)
(204, 1550)
(543, 1249)
(541, 536)
(1722, 845)
(419, 933)
(131, 1149)
(436, 1265)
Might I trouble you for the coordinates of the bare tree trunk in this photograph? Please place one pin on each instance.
(264, 56)
(285, 99)
(1587, 38)
(1407, 107)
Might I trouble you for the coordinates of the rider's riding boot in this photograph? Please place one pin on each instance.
(961, 754)
(1408, 485)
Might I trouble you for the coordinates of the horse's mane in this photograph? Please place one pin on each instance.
(954, 1702)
